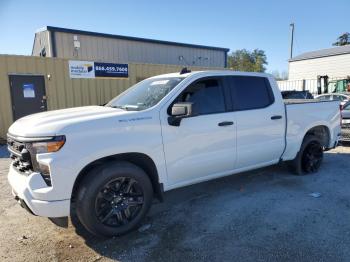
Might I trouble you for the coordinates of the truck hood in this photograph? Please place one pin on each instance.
(52, 122)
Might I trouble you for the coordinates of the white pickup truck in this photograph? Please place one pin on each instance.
(166, 132)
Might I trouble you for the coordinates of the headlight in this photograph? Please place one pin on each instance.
(44, 146)
(47, 146)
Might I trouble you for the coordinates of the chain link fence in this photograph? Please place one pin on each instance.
(299, 85)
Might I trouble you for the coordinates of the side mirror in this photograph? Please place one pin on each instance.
(179, 111)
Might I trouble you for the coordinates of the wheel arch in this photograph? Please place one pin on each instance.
(322, 132)
(142, 160)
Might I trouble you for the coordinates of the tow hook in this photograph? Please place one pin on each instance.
(23, 205)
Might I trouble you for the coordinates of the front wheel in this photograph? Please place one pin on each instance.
(114, 198)
(309, 158)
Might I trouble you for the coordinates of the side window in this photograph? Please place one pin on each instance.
(206, 95)
(325, 98)
(250, 92)
(342, 98)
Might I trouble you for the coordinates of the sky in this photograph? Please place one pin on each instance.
(223, 23)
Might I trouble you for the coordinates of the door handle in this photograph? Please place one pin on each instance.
(225, 123)
(275, 117)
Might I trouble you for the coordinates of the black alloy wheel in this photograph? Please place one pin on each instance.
(309, 158)
(312, 157)
(119, 201)
(113, 198)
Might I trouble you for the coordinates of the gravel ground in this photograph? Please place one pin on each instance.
(265, 215)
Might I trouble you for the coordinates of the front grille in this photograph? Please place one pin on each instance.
(20, 156)
(345, 132)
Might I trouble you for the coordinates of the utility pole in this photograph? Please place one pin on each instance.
(291, 39)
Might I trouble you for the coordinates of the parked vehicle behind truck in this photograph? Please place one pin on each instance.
(345, 111)
(341, 98)
(165, 132)
(294, 94)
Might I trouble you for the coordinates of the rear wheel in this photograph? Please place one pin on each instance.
(310, 156)
(114, 198)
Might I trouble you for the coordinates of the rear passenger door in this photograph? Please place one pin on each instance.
(260, 121)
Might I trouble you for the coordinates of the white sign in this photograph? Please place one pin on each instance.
(28, 91)
(81, 69)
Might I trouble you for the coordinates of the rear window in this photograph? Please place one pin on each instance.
(249, 92)
(340, 98)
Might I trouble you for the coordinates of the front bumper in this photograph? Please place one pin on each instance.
(24, 189)
(345, 131)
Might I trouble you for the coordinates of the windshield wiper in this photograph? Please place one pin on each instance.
(127, 107)
(120, 107)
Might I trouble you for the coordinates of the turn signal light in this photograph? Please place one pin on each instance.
(48, 146)
(55, 146)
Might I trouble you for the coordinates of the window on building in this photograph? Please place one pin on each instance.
(43, 52)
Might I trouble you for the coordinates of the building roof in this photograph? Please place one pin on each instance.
(147, 40)
(339, 50)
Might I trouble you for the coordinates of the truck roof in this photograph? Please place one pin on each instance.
(213, 72)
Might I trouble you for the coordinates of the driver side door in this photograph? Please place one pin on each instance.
(203, 146)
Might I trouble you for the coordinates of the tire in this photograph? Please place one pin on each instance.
(113, 199)
(309, 158)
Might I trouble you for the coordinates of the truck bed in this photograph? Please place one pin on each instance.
(303, 114)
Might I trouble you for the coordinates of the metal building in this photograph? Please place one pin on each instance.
(30, 84)
(83, 45)
(333, 62)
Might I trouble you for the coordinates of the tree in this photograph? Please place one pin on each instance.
(344, 39)
(280, 76)
(244, 60)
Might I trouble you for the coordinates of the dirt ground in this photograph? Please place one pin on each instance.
(265, 215)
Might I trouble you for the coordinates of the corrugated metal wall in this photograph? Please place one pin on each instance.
(299, 85)
(98, 48)
(62, 91)
(42, 40)
(337, 66)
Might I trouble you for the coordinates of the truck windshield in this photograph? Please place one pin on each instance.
(145, 94)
